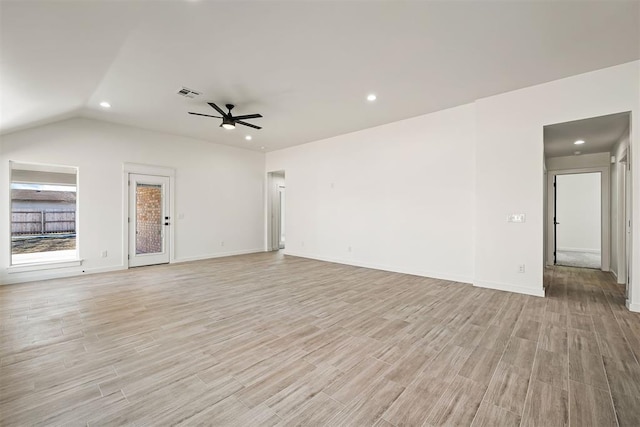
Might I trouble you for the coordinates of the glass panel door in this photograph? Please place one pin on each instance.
(149, 220)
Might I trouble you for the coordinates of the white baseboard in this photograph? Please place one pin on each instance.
(393, 269)
(217, 255)
(633, 307)
(55, 274)
(510, 288)
(589, 251)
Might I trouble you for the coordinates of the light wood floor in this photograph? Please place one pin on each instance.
(270, 340)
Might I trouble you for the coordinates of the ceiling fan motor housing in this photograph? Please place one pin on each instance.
(228, 120)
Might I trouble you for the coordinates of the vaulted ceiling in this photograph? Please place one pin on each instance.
(306, 66)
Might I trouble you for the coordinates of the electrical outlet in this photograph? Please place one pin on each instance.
(302, 243)
(104, 254)
(521, 268)
(349, 249)
(222, 243)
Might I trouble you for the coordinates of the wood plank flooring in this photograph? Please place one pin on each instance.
(267, 339)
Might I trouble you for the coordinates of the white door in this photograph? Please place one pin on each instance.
(281, 222)
(149, 220)
(627, 226)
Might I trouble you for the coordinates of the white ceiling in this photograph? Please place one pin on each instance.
(599, 134)
(305, 66)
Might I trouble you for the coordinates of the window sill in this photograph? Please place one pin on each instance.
(35, 266)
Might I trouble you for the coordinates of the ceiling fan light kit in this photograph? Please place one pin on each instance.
(229, 121)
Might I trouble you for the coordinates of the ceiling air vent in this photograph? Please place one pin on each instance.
(188, 93)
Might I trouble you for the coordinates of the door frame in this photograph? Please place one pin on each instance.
(281, 204)
(142, 169)
(623, 175)
(273, 209)
(605, 223)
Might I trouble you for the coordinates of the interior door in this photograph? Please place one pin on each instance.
(149, 220)
(555, 219)
(627, 226)
(281, 217)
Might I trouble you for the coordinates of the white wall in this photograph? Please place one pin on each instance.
(218, 189)
(509, 167)
(397, 197)
(578, 212)
(405, 196)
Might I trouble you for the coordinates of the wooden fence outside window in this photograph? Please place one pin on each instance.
(43, 222)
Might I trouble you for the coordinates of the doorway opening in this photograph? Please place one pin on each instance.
(587, 195)
(276, 234)
(577, 220)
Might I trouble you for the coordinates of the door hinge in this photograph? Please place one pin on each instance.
(128, 256)
(129, 220)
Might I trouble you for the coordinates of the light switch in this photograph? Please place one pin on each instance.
(518, 217)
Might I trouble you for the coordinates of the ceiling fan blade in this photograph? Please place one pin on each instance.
(248, 116)
(206, 115)
(218, 109)
(248, 124)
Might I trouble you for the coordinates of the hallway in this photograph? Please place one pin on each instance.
(591, 346)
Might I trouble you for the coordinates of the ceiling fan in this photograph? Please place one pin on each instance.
(228, 120)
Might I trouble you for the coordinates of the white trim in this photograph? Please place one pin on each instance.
(589, 251)
(17, 268)
(219, 255)
(414, 272)
(510, 288)
(148, 169)
(57, 274)
(138, 168)
(21, 268)
(633, 307)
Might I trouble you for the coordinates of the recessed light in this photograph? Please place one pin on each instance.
(262, 148)
(577, 152)
(579, 142)
(371, 97)
(105, 104)
(248, 138)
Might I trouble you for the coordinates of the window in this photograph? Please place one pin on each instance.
(43, 214)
